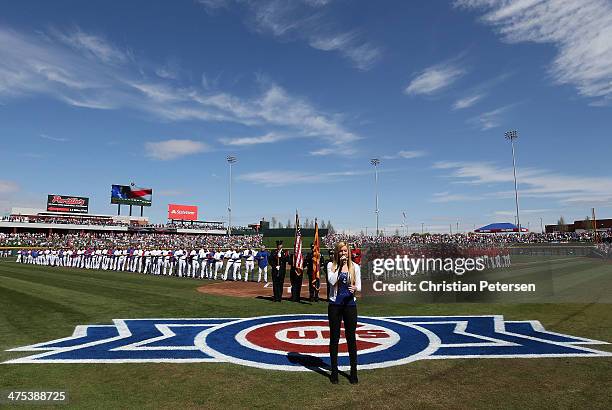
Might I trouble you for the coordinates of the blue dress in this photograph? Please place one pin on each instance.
(344, 295)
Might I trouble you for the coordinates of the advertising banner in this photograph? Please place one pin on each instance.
(64, 203)
(182, 212)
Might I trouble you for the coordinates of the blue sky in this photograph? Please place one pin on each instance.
(304, 94)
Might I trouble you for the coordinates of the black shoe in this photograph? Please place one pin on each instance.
(334, 378)
(353, 377)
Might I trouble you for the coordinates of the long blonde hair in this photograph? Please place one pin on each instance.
(336, 263)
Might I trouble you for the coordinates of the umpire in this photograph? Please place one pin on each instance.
(278, 261)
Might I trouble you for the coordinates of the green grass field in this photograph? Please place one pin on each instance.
(288, 241)
(40, 304)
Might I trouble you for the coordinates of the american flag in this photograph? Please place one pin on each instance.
(298, 259)
(140, 193)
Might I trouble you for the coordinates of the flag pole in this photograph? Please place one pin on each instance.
(316, 257)
(297, 247)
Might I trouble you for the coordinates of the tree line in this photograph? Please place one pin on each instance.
(306, 224)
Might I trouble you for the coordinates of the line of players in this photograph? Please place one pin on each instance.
(199, 264)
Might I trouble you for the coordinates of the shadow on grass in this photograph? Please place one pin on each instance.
(316, 364)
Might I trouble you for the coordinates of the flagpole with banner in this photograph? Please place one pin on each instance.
(298, 258)
(316, 258)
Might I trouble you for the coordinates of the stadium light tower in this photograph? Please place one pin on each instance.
(512, 135)
(376, 162)
(231, 160)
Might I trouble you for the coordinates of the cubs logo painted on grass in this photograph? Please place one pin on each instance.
(300, 342)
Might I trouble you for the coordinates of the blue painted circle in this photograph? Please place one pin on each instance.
(223, 340)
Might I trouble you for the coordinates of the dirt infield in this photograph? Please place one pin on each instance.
(249, 289)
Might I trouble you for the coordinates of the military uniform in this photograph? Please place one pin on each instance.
(278, 261)
(296, 281)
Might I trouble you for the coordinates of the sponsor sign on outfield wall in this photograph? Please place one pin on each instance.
(182, 212)
(63, 203)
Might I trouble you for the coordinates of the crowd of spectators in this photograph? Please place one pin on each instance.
(196, 225)
(14, 218)
(125, 240)
(469, 238)
(108, 221)
(100, 221)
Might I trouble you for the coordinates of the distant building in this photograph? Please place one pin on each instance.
(581, 226)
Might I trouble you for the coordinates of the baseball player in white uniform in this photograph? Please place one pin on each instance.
(227, 256)
(192, 269)
(218, 262)
(237, 263)
(182, 261)
(249, 255)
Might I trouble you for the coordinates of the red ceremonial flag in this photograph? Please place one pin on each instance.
(316, 256)
(298, 258)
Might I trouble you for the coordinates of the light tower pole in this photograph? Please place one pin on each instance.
(375, 162)
(231, 160)
(512, 135)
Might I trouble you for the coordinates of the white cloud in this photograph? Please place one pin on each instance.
(304, 21)
(322, 152)
(478, 92)
(54, 139)
(446, 196)
(87, 102)
(338, 41)
(434, 78)
(467, 101)
(6, 187)
(532, 182)
(363, 54)
(245, 141)
(92, 46)
(278, 178)
(405, 154)
(31, 65)
(490, 119)
(213, 5)
(282, 178)
(44, 65)
(173, 149)
(275, 107)
(317, 3)
(581, 31)
(209, 82)
(524, 212)
(165, 72)
(411, 154)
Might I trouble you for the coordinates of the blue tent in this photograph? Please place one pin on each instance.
(500, 227)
